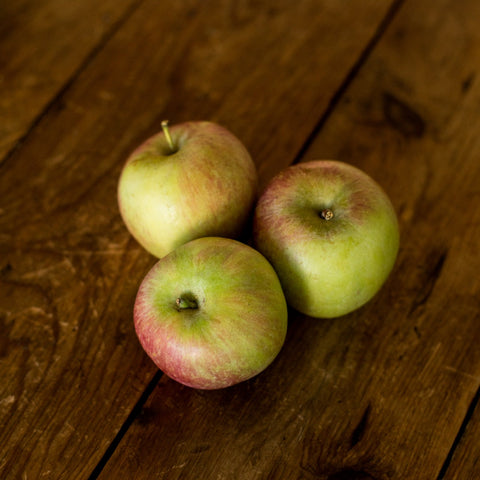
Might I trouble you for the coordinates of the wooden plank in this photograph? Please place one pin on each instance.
(71, 366)
(381, 393)
(42, 44)
(465, 462)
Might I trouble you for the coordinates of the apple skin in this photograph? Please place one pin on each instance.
(327, 268)
(238, 326)
(207, 187)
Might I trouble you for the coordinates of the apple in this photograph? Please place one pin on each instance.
(211, 313)
(193, 180)
(330, 232)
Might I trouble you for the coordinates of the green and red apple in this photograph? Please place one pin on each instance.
(330, 232)
(193, 180)
(211, 313)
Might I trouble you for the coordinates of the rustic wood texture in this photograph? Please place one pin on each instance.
(71, 367)
(42, 45)
(382, 393)
(465, 461)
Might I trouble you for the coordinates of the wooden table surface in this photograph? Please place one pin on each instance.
(390, 391)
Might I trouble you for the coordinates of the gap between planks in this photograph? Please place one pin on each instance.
(69, 81)
(337, 96)
(137, 409)
(461, 431)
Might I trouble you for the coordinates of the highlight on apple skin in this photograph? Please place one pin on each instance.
(211, 313)
(192, 180)
(330, 232)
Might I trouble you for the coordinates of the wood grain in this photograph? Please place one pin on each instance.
(465, 461)
(417, 97)
(71, 367)
(42, 45)
(381, 393)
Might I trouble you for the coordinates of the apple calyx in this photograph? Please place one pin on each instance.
(326, 214)
(185, 303)
(166, 132)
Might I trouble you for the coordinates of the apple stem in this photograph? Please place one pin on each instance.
(166, 131)
(184, 303)
(326, 214)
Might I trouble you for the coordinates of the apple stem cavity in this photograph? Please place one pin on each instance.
(326, 214)
(183, 303)
(166, 132)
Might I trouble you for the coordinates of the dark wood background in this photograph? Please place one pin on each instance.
(390, 391)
